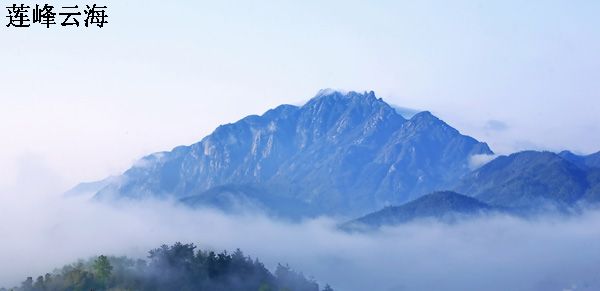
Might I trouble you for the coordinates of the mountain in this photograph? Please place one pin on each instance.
(522, 184)
(532, 179)
(593, 160)
(89, 188)
(592, 195)
(340, 153)
(445, 206)
(589, 161)
(234, 198)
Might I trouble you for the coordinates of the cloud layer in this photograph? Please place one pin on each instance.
(495, 253)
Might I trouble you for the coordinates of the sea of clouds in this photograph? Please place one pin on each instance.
(41, 232)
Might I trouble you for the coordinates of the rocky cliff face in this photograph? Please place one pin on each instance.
(340, 153)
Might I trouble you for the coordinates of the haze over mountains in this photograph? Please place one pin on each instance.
(351, 154)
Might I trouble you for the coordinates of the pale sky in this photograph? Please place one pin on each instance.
(81, 104)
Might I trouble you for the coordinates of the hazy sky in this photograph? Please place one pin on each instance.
(80, 104)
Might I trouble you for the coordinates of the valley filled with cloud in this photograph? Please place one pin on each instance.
(491, 253)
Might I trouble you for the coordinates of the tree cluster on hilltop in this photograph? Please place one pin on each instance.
(176, 267)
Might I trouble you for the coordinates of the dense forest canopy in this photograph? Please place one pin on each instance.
(176, 267)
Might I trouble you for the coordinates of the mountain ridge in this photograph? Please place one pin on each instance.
(524, 184)
(343, 153)
(533, 179)
(446, 206)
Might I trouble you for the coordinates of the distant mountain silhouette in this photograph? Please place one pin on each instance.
(533, 179)
(441, 206)
(523, 184)
(589, 161)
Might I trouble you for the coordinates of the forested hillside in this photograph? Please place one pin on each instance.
(176, 267)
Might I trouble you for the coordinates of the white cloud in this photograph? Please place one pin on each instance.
(477, 161)
(497, 253)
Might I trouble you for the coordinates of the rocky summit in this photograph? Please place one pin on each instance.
(339, 154)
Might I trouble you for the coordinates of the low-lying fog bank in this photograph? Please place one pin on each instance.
(493, 253)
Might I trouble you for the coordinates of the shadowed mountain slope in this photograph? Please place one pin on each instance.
(532, 179)
(443, 206)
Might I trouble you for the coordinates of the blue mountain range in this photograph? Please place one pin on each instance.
(351, 154)
(522, 184)
(340, 153)
(446, 206)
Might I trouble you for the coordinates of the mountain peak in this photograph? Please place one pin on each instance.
(426, 117)
(442, 205)
(582, 161)
(340, 153)
(334, 92)
(332, 95)
(329, 91)
(527, 179)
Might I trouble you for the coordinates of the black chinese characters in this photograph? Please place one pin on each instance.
(46, 15)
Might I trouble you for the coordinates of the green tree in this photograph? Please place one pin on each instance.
(102, 269)
(77, 279)
(176, 267)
